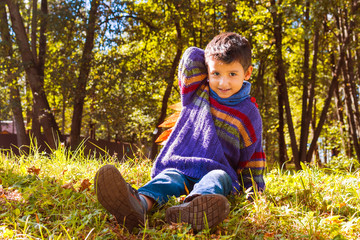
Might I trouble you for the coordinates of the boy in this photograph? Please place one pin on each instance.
(214, 149)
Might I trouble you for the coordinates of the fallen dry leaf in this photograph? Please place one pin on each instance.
(33, 169)
(269, 235)
(12, 195)
(85, 184)
(342, 204)
(69, 185)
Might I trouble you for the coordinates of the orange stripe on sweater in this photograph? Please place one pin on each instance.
(255, 164)
(193, 79)
(235, 122)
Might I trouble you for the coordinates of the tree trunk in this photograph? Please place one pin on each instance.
(326, 104)
(308, 87)
(259, 80)
(350, 112)
(312, 101)
(192, 23)
(282, 144)
(351, 109)
(340, 119)
(280, 129)
(229, 15)
(40, 61)
(34, 29)
(80, 92)
(35, 127)
(356, 40)
(349, 86)
(46, 118)
(280, 76)
(349, 25)
(305, 115)
(170, 83)
(42, 39)
(355, 94)
(313, 126)
(200, 8)
(15, 101)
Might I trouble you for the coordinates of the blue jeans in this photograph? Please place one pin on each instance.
(171, 182)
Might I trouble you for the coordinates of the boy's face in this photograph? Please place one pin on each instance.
(226, 79)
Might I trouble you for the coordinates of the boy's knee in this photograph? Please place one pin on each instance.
(172, 174)
(221, 174)
(223, 177)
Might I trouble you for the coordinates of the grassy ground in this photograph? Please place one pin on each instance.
(52, 197)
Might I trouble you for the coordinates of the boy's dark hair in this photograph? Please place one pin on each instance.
(228, 47)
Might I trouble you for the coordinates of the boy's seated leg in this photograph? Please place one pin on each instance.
(215, 182)
(119, 198)
(206, 205)
(169, 182)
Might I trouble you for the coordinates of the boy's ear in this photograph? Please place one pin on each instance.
(248, 72)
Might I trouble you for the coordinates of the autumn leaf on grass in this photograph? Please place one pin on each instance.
(342, 204)
(175, 226)
(85, 184)
(11, 195)
(33, 169)
(69, 185)
(37, 218)
(269, 235)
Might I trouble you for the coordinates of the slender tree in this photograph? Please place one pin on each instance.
(309, 81)
(283, 98)
(46, 118)
(327, 102)
(85, 65)
(11, 79)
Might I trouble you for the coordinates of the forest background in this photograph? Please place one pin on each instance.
(108, 69)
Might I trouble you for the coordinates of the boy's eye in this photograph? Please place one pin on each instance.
(216, 74)
(233, 74)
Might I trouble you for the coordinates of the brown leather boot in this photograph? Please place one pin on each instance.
(201, 212)
(119, 198)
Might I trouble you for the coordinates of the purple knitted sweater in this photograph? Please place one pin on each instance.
(209, 135)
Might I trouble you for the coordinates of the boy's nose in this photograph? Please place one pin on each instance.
(223, 81)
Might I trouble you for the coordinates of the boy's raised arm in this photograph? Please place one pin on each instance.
(192, 71)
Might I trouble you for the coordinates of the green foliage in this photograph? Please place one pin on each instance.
(136, 43)
(43, 196)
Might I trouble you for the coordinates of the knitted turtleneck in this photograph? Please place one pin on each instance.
(212, 135)
(235, 99)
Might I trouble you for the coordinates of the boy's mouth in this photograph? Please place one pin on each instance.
(224, 90)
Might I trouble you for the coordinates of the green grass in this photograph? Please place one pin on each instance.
(46, 196)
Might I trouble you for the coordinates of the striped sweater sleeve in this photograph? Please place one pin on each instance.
(252, 174)
(192, 71)
(252, 162)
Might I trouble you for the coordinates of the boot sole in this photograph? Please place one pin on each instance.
(113, 194)
(204, 211)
